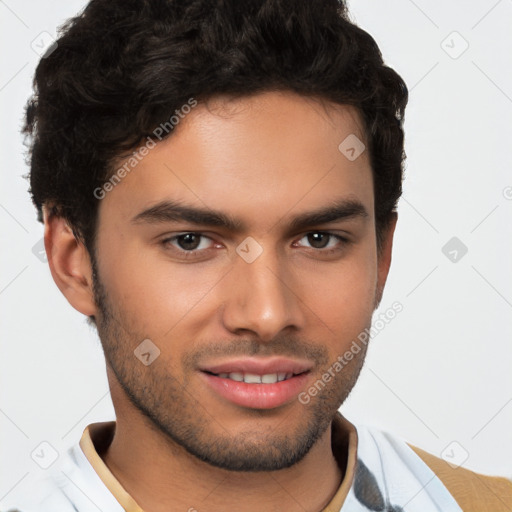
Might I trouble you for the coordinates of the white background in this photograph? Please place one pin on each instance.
(439, 372)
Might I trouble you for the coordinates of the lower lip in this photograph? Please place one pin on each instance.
(257, 396)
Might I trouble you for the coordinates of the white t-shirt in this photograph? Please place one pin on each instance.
(383, 474)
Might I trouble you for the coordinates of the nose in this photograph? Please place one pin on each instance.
(262, 297)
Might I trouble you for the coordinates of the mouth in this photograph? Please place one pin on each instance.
(256, 383)
(254, 378)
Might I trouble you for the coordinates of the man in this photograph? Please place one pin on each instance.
(218, 183)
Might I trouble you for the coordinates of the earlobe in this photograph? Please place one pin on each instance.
(69, 263)
(384, 259)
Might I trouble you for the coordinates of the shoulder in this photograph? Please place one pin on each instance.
(472, 491)
(389, 470)
(405, 467)
(44, 496)
(71, 485)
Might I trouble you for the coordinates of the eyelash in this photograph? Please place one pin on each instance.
(195, 252)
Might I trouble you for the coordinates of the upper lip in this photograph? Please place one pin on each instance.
(259, 366)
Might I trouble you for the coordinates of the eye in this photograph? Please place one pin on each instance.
(191, 244)
(187, 243)
(321, 240)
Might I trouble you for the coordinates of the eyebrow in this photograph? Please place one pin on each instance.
(175, 211)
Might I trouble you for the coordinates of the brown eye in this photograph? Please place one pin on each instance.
(318, 240)
(187, 245)
(188, 241)
(325, 241)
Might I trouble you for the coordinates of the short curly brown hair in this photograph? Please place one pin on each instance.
(121, 67)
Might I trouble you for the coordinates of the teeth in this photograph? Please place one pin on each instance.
(251, 378)
(271, 378)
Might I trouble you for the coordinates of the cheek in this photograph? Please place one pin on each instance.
(158, 297)
(153, 294)
(342, 296)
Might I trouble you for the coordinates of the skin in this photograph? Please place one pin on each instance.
(263, 160)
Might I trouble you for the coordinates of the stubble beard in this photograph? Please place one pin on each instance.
(193, 425)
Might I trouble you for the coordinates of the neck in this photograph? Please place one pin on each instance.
(160, 475)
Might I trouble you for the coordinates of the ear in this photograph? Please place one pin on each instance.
(69, 263)
(384, 259)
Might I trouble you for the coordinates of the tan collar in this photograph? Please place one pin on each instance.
(98, 436)
(96, 439)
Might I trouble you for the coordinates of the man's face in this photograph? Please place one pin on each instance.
(267, 301)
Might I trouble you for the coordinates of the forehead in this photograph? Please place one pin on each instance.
(256, 158)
